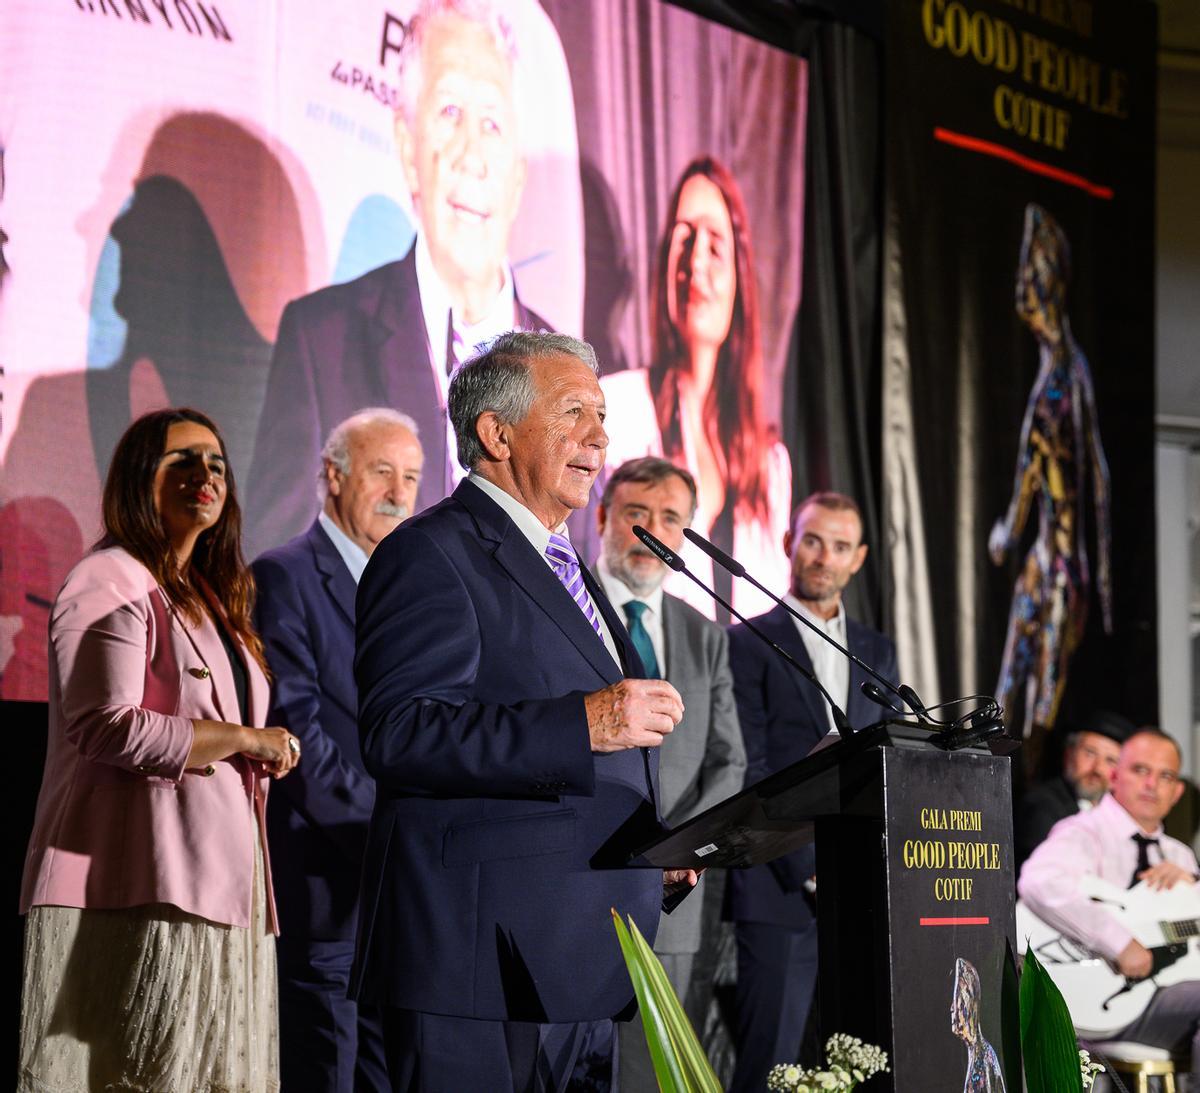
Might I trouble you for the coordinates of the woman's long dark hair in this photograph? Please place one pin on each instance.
(132, 522)
(733, 415)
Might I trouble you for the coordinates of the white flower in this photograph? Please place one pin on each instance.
(849, 1062)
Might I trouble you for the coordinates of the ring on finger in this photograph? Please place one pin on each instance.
(293, 745)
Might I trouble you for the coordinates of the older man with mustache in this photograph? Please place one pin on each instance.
(371, 467)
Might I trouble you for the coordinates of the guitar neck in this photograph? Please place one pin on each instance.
(1180, 929)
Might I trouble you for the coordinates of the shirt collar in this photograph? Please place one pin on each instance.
(833, 626)
(352, 554)
(1126, 826)
(435, 307)
(529, 525)
(619, 593)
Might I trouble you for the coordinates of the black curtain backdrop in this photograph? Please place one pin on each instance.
(832, 403)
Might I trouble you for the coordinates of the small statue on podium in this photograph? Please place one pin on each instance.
(983, 1067)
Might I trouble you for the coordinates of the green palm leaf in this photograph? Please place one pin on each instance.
(679, 1061)
(1047, 1034)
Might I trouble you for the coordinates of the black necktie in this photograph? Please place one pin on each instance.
(1144, 842)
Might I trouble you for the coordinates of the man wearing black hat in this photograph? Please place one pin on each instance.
(1090, 755)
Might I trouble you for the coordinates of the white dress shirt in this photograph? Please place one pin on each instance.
(352, 554)
(435, 307)
(1098, 843)
(539, 536)
(829, 666)
(619, 594)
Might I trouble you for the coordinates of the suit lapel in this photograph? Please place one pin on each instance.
(398, 344)
(214, 664)
(860, 709)
(520, 560)
(259, 698)
(616, 627)
(334, 575)
(675, 643)
(258, 690)
(779, 625)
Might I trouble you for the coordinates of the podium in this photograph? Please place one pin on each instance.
(915, 894)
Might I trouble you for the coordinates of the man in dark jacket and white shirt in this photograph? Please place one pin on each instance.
(783, 717)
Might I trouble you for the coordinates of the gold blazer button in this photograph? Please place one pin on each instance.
(209, 771)
(199, 673)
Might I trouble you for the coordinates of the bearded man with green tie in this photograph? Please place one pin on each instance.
(703, 761)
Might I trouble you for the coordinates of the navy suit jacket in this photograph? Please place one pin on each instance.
(340, 349)
(317, 819)
(497, 844)
(783, 717)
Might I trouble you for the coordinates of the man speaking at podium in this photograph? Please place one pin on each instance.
(515, 758)
(1122, 841)
(783, 717)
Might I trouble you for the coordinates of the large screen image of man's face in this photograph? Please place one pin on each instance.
(281, 221)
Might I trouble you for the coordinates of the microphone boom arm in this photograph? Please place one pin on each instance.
(672, 561)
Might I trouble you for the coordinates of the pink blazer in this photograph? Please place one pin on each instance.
(119, 820)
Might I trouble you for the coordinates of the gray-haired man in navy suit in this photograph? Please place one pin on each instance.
(370, 469)
(515, 750)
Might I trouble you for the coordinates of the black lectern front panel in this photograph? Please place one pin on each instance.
(948, 824)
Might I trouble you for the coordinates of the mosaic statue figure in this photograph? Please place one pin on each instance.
(983, 1066)
(1060, 448)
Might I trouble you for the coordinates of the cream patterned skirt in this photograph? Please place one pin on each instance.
(148, 999)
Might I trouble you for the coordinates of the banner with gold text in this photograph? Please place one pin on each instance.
(1019, 354)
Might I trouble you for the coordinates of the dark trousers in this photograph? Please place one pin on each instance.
(430, 1053)
(327, 1043)
(776, 975)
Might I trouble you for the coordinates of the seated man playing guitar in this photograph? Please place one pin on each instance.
(1121, 842)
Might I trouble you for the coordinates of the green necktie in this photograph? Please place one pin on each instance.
(640, 636)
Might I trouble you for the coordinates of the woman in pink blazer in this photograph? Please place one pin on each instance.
(149, 947)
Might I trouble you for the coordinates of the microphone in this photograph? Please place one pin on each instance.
(978, 728)
(663, 553)
(912, 698)
(904, 693)
(875, 693)
(672, 561)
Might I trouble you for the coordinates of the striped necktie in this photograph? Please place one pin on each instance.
(565, 563)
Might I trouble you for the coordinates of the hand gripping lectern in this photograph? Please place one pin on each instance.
(914, 889)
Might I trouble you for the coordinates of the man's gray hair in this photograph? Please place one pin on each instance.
(337, 444)
(498, 379)
(486, 13)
